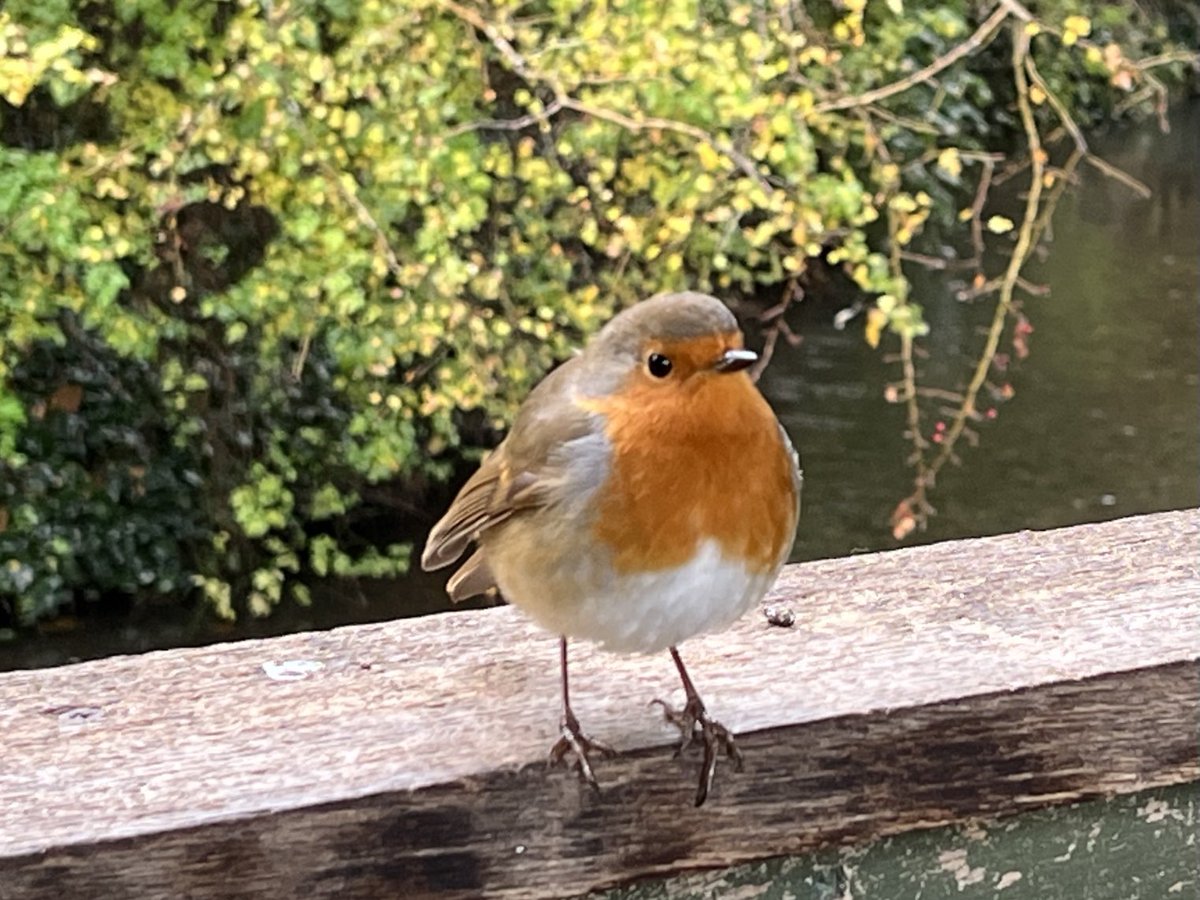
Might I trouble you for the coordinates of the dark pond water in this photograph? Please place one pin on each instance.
(1104, 422)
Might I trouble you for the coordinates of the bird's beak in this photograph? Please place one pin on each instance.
(735, 360)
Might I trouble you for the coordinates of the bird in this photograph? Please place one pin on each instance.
(645, 493)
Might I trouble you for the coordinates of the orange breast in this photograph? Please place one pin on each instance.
(695, 461)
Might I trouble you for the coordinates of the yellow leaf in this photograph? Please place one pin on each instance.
(1080, 25)
(999, 224)
(17, 79)
(950, 162)
(876, 320)
(1037, 95)
(814, 55)
(709, 158)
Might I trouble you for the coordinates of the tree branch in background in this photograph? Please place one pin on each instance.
(563, 99)
(980, 38)
(777, 325)
(1045, 185)
(912, 512)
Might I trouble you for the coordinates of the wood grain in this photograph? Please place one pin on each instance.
(918, 687)
(1140, 845)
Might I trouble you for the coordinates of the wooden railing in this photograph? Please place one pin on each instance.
(917, 688)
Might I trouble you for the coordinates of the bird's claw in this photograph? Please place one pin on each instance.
(573, 741)
(693, 719)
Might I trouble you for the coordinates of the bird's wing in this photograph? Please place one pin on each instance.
(496, 491)
(472, 578)
(521, 474)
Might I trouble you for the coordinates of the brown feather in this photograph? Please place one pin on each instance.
(474, 577)
(473, 510)
(521, 474)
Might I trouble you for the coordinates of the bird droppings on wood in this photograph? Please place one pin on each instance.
(780, 616)
(292, 669)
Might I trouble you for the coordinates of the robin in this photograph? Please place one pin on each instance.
(645, 494)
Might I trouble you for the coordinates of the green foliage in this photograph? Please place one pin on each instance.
(105, 502)
(304, 242)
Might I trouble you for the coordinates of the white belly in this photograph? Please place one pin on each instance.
(649, 611)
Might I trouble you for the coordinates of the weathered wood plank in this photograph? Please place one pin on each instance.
(918, 688)
(1140, 845)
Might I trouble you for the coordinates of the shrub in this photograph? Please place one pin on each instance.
(257, 257)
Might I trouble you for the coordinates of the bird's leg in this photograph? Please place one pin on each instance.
(694, 718)
(572, 739)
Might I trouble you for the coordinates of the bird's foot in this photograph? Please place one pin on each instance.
(693, 721)
(573, 741)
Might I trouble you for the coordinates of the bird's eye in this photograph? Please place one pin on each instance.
(659, 365)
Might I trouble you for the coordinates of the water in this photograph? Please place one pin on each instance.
(1104, 422)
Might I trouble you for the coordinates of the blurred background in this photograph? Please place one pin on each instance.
(274, 277)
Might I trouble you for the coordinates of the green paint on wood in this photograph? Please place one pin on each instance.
(1134, 847)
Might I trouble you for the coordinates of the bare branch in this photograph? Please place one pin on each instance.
(981, 36)
(1026, 238)
(515, 60)
(564, 100)
(1076, 133)
(518, 124)
(1138, 187)
(792, 292)
(743, 162)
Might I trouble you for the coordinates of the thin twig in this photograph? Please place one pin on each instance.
(937, 263)
(518, 124)
(743, 162)
(981, 195)
(1021, 252)
(1076, 133)
(792, 292)
(1065, 117)
(565, 100)
(515, 60)
(302, 356)
(982, 35)
(1138, 187)
(908, 122)
(940, 394)
(1163, 59)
